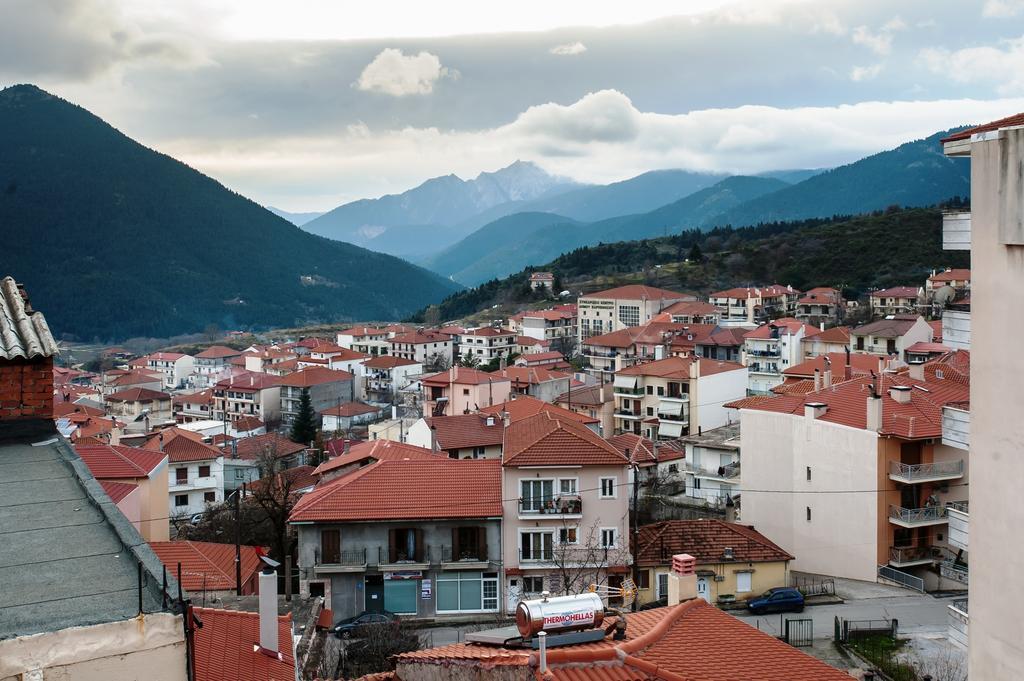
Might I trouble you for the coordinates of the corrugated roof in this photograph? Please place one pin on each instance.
(23, 333)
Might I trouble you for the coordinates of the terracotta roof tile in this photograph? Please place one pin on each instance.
(462, 376)
(706, 540)
(311, 376)
(252, 447)
(1008, 122)
(375, 450)
(118, 461)
(896, 292)
(224, 648)
(218, 352)
(206, 565)
(961, 274)
(837, 334)
(639, 292)
(525, 406)
(117, 490)
(351, 409)
(182, 445)
(860, 364)
(137, 395)
(466, 430)
(546, 439)
(387, 362)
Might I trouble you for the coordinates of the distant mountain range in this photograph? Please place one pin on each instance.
(297, 219)
(913, 174)
(114, 240)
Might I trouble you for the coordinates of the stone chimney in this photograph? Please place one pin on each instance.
(682, 580)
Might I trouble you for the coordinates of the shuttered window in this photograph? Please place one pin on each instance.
(330, 546)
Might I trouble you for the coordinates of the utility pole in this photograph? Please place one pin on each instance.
(636, 530)
(238, 542)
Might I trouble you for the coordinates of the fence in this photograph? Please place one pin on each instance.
(846, 630)
(810, 586)
(902, 578)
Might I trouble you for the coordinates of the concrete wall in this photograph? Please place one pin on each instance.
(840, 539)
(151, 647)
(709, 395)
(997, 297)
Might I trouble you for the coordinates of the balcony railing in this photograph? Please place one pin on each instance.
(961, 506)
(398, 556)
(925, 472)
(574, 555)
(628, 391)
(917, 517)
(759, 368)
(765, 353)
(467, 554)
(559, 505)
(627, 413)
(950, 569)
(349, 559)
(912, 555)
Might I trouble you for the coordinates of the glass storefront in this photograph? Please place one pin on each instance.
(467, 592)
(400, 596)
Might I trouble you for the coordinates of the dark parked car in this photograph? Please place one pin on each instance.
(354, 627)
(781, 599)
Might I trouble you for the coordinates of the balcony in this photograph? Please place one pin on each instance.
(956, 427)
(958, 621)
(729, 472)
(596, 352)
(953, 570)
(567, 554)
(956, 230)
(468, 558)
(564, 506)
(776, 354)
(959, 521)
(917, 517)
(910, 556)
(912, 474)
(770, 369)
(205, 482)
(343, 561)
(630, 392)
(675, 397)
(627, 414)
(394, 558)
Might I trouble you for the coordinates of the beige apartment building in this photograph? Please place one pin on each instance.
(995, 227)
(754, 304)
(620, 308)
(461, 390)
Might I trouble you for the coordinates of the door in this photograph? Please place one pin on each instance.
(702, 589)
(515, 593)
(374, 593)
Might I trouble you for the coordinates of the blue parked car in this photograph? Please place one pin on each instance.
(781, 599)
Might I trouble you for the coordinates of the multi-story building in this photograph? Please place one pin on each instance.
(213, 364)
(892, 335)
(140, 408)
(610, 352)
(462, 436)
(712, 464)
(142, 469)
(995, 236)
(365, 339)
(754, 304)
(542, 280)
(551, 325)
(880, 434)
(196, 470)
(410, 551)
(248, 458)
(247, 394)
(566, 508)
(425, 347)
(836, 339)
(540, 382)
(957, 279)
(461, 390)
(772, 348)
(487, 343)
(895, 300)
(620, 308)
(692, 312)
(820, 305)
(386, 376)
(189, 407)
(326, 388)
(676, 396)
(593, 401)
(113, 381)
(263, 359)
(175, 367)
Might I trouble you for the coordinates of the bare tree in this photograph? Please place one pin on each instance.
(373, 651)
(581, 559)
(437, 362)
(948, 665)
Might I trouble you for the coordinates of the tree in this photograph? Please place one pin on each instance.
(469, 360)
(437, 362)
(304, 427)
(580, 559)
(695, 255)
(373, 651)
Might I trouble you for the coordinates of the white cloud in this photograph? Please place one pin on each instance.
(1002, 66)
(394, 73)
(999, 9)
(602, 137)
(569, 49)
(862, 73)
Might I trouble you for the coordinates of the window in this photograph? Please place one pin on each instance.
(673, 468)
(568, 535)
(661, 390)
(204, 471)
(467, 592)
(662, 585)
(400, 595)
(629, 315)
(536, 545)
(608, 537)
(643, 579)
(743, 582)
(567, 486)
(808, 473)
(533, 585)
(536, 493)
(330, 546)
(181, 475)
(465, 391)
(650, 390)
(209, 497)
(478, 452)
(650, 411)
(608, 488)
(808, 514)
(239, 474)
(181, 500)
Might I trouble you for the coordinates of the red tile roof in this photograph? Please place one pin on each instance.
(744, 293)
(225, 648)
(890, 327)
(706, 540)
(1008, 122)
(421, 337)
(896, 292)
(117, 490)
(692, 641)
(541, 357)
(351, 409)
(137, 395)
(298, 478)
(392, 489)
(338, 355)
(466, 430)
(680, 367)
(936, 325)
(376, 450)
(837, 334)
(820, 295)
(788, 324)
(363, 331)
(650, 333)
(549, 440)
(860, 365)
(558, 314)
(639, 292)
(252, 447)
(201, 397)
(63, 409)
(387, 362)
(206, 565)
(640, 449)
(488, 332)
(690, 307)
(462, 376)
(586, 395)
(246, 423)
(165, 356)
(526, 376)
(304, 378)
(138, 377)
(118, 461)
(922, 347)
(525, 406)
(218, 352)
(961, 274)
(182, 445)
(249, 381)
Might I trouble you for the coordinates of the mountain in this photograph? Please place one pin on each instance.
(436, 209)
(522, 239)
(115, 240)
(854, 254)
(793, 176)
(913, 174)
(297, 219)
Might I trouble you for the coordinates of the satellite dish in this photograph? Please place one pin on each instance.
(270, 562)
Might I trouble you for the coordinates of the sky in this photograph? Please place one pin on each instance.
(309, 104)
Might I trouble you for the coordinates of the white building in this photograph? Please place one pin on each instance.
(619, 308)
(712, 464)
(772, 348)
(487, 343)
(423, 347)
(195, 470)
(175, 367)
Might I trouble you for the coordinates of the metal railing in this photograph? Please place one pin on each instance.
(353, 557)
(629, 391)
(765, 353)
(627, 413)
(397, 556)
(950, 569)
(961, 605)
(562, 504)
(565, 554)
(962, 506)
(910, 554)
(924, 471)
(917, 515)
(901, 578)
(466, 553)
(810, 586)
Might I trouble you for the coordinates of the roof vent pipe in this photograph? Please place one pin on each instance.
(542, 642)
(268, 612)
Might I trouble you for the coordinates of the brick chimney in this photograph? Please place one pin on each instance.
(26, 358)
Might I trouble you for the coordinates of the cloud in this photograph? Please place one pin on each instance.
(999, 9)
(569, 49)
(862, 73)
(393, 73)
(1002, 66)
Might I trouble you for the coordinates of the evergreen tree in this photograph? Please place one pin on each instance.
(304, 427)
(695, 253)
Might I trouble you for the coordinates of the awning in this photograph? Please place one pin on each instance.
(670, 429)
(625, 382)
(670, 408)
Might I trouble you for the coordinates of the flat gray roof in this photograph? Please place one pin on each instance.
(68, 556)
(723, 437)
